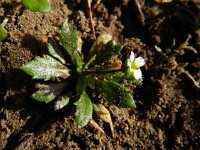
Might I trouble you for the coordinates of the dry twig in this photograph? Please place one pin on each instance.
(139, 11)
(91, 24)
(96, 126)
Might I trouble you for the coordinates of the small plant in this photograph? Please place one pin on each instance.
(77, 79)
(181, 70)
(180, 51)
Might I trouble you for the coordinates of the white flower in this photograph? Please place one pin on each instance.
(137, 74)
(134, 65)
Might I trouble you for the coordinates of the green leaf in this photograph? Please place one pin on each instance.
(46, 68)
(115, 93)
(83, 82)
(69, 40)
(47, 93)
(37, 5)
(100, 42)
(3, 33)
(105, 47)
(77, 61)
(118, 76)
(108, 51)
(84, 109)
(55, 52)
(69, 37)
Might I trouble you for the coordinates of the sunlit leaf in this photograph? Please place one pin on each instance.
(3, 33)
(84, 109)
(55, 52)
(103, 114)
(115, 93)
(69, 37)
(69, 40)
(37, 5)
(47, 93)
(46, 68)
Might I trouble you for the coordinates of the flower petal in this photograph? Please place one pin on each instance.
(132, 57)
(129, 63)
(140, 61)
(137, 74)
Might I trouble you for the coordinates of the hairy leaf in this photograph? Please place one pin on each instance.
(55, 52)
(69, 40)
(84, 109)
(115, 93)
(46, 68)
(37, 5)
(47, 93)
(69, 37)
(3, 33)
(83, 82)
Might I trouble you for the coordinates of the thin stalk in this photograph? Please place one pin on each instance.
(104, 71)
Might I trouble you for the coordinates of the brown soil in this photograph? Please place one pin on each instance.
(167, 114)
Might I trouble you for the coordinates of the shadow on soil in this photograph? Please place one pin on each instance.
(174, 21)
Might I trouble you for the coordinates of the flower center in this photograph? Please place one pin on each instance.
(134, 65)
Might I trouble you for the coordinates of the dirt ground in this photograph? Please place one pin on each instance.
(168, 104)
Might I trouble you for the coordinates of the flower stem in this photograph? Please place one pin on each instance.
(105, 71)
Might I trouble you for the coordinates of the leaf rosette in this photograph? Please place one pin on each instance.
(101, 71)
